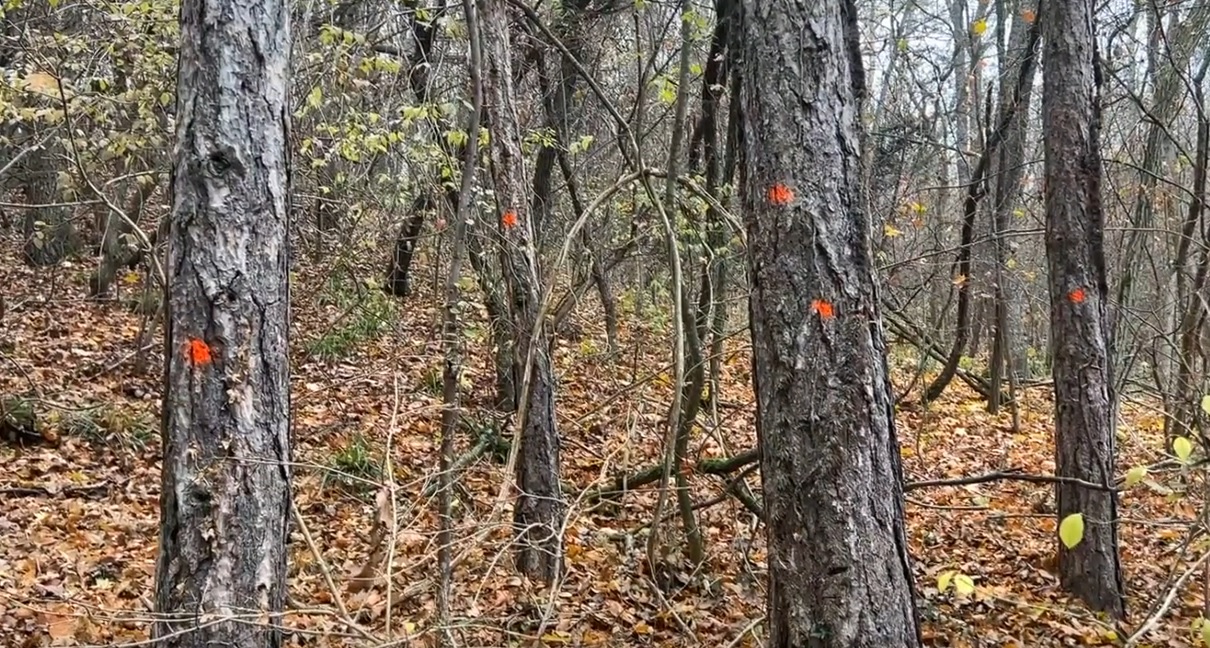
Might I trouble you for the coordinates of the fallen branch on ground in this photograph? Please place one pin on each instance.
(729, 465)
(651, 474)
(489, 441)
(89, 490)
(1008, 475)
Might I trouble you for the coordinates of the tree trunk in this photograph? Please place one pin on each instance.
(48, 233)
(399, 277)
(1080, 341)
(538, 516)
(830, 457)
(1013, 110)
(119, 245)
(225, 499)
(398, 281)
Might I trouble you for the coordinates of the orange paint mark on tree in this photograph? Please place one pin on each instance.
(780, 194)
(198, 352)
(1028, 16)
(823, 308)
(1076, 296)
(509, 220)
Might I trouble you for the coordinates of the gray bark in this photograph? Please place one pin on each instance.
(49, 236)
(1080, 341)
(225, 500)
(839, 572)
(538, 516)
(1016, 87)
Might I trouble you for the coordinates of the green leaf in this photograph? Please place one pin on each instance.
(1071, 530)
(582, 144)
(1183, 448)
(1206, 633)
(963, 585)
(1206, 403)
(315, 97)
(1136, 475)
(667, 92)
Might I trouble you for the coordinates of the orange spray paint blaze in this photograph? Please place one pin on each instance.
(823, 308)
(198, 352)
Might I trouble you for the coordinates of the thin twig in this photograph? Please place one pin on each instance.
(1167, 603)
(326, 573)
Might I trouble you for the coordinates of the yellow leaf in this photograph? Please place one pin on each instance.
(1071, 530)
(963, 585)
(943, 581)
(131, 277)
(1183, 448)
(1206, 403)
(891, 231)
(979, 27)
(1206, 633)
(642, 628)
(1136, 475)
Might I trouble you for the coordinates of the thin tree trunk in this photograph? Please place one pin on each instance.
(538, 516)
(398, 281)
(1010, 163)
(451, 333)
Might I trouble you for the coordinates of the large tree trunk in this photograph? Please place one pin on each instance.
(1078, 301)
(538, 516)
(225, 499)
(839, 568)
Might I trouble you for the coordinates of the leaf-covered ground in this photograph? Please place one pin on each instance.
(78, 524)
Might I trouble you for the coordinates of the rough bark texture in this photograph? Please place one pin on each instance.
(839, 573)
(49, 234)
(538, 516)
(1016, 87)
(1078, 301)
(225, 500)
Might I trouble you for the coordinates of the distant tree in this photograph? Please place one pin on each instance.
(839, 571)
(1079, 301)
(47, 230)
(31, 148)
(225, 502)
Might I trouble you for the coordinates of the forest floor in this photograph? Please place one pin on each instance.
(78, 518)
